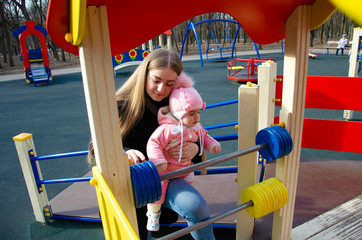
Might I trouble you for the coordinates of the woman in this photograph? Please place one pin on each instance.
(342, 44)
(139, 100)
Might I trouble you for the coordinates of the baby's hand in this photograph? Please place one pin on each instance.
(216, 148)
(161, 167)
(135, 156)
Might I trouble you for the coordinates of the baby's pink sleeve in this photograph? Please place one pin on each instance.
(156, 145)
(210, 143)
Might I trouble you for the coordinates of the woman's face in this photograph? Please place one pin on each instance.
(160, 82)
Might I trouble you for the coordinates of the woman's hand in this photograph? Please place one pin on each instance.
(189, 151)
(136, 156)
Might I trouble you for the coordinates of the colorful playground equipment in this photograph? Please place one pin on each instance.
(271, 142)
(45, 210)
(245, 70)
(259, 200)
(312, 55)
(265, 22)
(216, 52)
(355, 53)
(351, 8)
(135, 56)
(132, 57)
(355, 57)
(36, 61)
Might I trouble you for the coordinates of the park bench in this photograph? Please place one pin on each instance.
(334, 45)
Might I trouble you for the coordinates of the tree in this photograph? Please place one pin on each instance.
(4, 23)
(22, 6)
(312, 35)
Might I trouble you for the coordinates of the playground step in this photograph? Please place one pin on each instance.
(39, 74)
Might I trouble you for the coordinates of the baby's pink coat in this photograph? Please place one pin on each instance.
(168, 135)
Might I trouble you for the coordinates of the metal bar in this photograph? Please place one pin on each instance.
(226, 137)
(83, 219)
(64, 180)
(221, 125)
(218, 171)
(60, 155)
(183, 225)
(209, 221)
(222, 103)
(211, 162)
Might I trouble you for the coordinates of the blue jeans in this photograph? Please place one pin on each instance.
(189, 204)
(338, 50)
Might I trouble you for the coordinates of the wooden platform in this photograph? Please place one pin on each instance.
(342, 222)
(80, 200)
(323, 184)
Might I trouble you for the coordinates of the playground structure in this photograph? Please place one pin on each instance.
(312, 55)
(339, 140)
(298, 18)
(135, 56)
(355, 57)
(43, 209)
(220, 47)
(236, 68)
(36, 61)
(356, 51)
(132, 57)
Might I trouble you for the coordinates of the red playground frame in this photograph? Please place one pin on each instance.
(236, 68)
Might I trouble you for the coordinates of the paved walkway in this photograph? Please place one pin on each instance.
(17, 76)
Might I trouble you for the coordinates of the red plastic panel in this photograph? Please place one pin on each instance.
(132, 23)
(30, 30)
(332, 135)
(325, 92)
(343, 93)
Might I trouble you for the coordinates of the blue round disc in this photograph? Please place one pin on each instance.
(145, 185)
(279, 131)
(156, 178)
(272, 151)
(137, 193)
(151, 188)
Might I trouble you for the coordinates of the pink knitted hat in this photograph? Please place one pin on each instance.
(184, 97)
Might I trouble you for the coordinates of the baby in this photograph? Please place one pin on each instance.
(179, 123)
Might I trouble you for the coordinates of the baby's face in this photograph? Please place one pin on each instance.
(191, 118)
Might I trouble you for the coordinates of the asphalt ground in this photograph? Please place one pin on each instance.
(56, 116)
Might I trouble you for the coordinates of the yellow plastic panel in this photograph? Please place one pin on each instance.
(352, 8)
(321, 12)
(115, 222)
(77, 21)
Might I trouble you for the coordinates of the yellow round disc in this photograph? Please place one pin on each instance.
(264, 196)
(269, 191)
(255, 211)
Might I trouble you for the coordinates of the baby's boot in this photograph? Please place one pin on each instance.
(153, 214)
